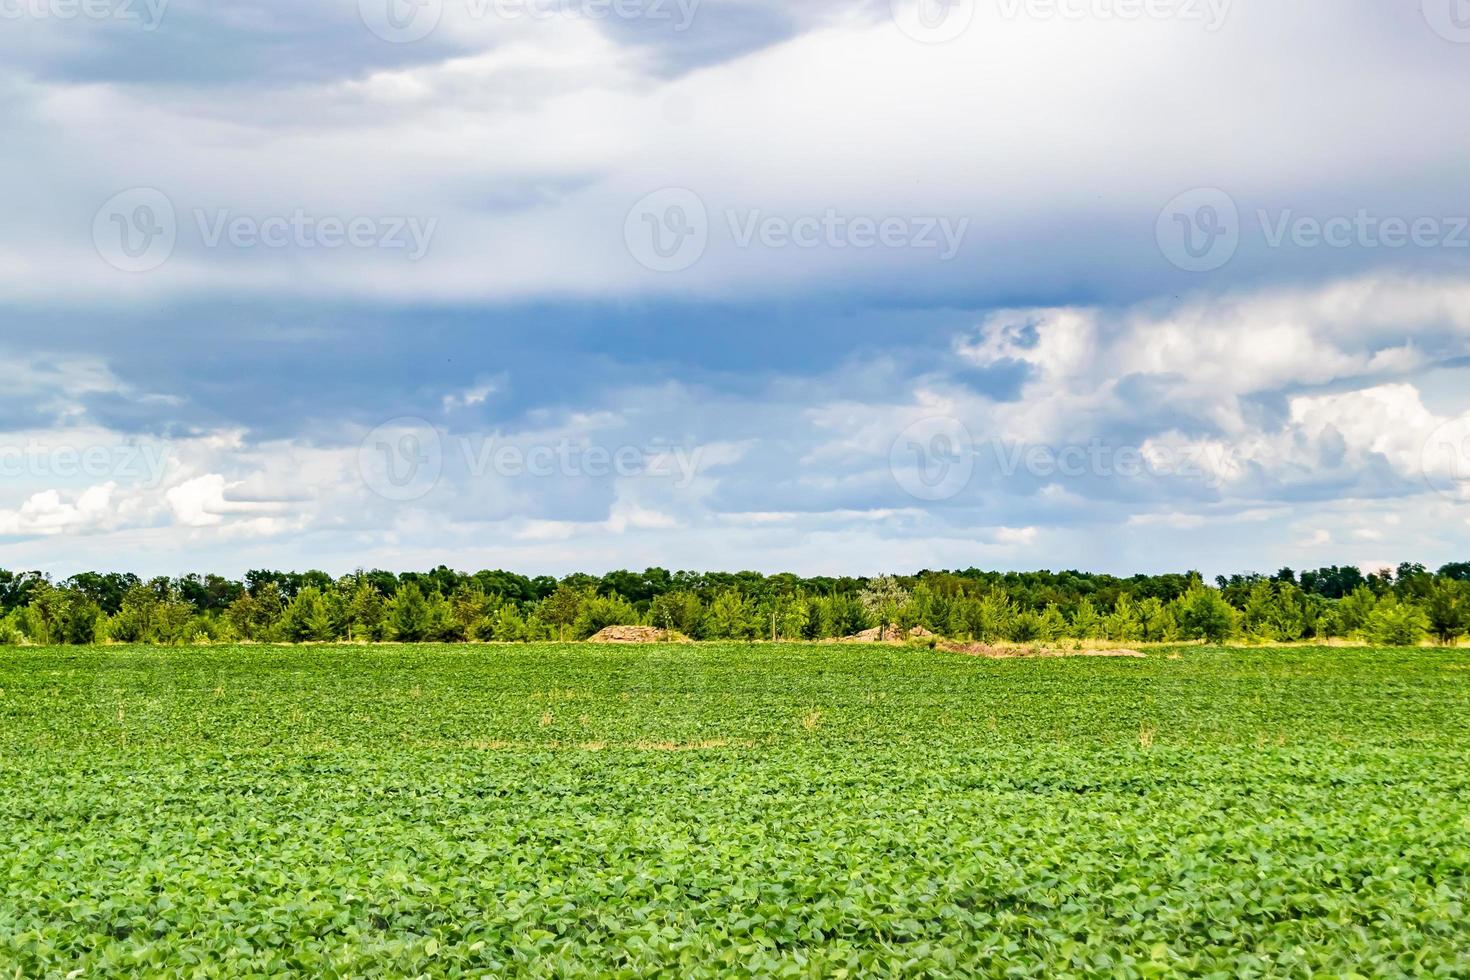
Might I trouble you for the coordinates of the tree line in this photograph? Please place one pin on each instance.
(1400, 606)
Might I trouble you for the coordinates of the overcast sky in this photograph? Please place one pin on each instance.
(557, 285)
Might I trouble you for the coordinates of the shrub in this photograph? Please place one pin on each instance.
(1396, 624)
(597, 613)
(1205, 615)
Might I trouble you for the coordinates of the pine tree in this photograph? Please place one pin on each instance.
(408, 615)
(1086, 623)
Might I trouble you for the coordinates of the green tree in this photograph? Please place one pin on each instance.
(137, 617)
(1156, 620)
(80, 619)
(562, 607)
(509, 626)
(730, 618)
(1289, 613)
(308, 617)
(792, 617)
(1353, 610)
(1257, 620)
(1026, 627)
(407, 615)
(882, 599)
(840, 615)
(597, 613)
(1052, 625)
(44, 613)
(365, 611)
(680, 611)
(1205, 615)
(1396, 623)
(1448, 609)
(1086, 623)
(1123, 623)
(995, 613)
(443, 626)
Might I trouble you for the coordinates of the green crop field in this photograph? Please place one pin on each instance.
(702, 810)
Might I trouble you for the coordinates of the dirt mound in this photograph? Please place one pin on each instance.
(1017, 653)
(637, 634)
(891, 635)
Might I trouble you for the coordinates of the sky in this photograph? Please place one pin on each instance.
(826, 287)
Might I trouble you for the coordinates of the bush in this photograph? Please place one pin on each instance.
(80, 620)
(597, 613)
(1396, 624)
(1205, 615)
(10, 632)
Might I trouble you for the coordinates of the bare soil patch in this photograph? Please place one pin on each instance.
(890, 635)
(637, 634)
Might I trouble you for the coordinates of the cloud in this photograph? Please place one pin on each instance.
(50, 513)
(573, 122)
(1243, 443)
(775, 389)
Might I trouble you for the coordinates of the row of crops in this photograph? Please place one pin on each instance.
(557, 810)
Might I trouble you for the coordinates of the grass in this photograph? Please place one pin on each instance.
(711, 809)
